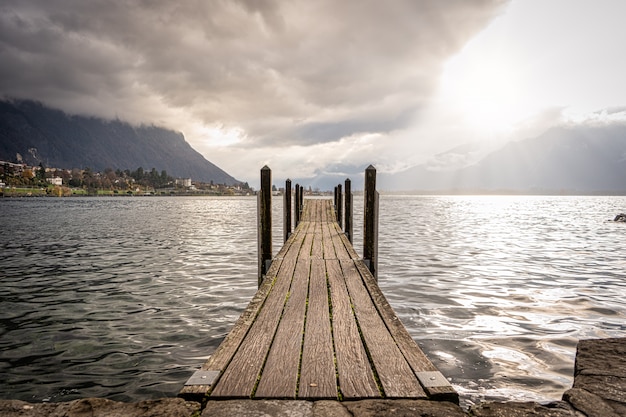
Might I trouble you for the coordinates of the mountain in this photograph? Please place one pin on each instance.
(578, 159)
(40, 134)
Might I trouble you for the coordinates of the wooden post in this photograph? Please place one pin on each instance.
(264, 208)
(370, 222)
(287, 210)
(296, 207)
(301, 199)
(339, 206)
(348, 209)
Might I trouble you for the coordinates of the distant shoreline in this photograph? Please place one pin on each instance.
(42, 194)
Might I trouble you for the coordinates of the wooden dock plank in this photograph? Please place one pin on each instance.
(307, 245)
(317, 249)
(418, 361)
(356, 379)
(240, 377)
(340, 249)
(395, 374)
(280, 374)
(318, 379)
(344, 243)
(325, 209)
(227, 349)
(327, 244)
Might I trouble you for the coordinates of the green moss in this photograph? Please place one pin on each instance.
(369, 355)
(332, 335)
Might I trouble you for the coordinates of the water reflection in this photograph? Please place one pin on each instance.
(124, 297)
(119, 298)
(498, 290)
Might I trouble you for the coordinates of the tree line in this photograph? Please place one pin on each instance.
(110, 179)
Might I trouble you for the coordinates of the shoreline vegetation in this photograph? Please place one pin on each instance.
(61, 191)
(18, 180)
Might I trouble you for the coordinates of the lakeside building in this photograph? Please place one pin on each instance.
(185, 182)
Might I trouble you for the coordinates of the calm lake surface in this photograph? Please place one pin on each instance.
(124, 298)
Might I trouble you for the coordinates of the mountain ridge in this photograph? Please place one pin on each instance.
(40, 134)
(563, 159)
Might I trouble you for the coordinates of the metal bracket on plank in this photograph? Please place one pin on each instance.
(201, 377)
(432, 379)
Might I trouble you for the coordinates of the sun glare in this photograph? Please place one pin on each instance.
(487, 93)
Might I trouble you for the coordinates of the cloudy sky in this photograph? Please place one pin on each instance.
(310, 87)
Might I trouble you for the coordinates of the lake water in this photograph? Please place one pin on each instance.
(124, 298)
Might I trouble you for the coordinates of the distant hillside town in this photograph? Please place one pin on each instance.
(18, 179)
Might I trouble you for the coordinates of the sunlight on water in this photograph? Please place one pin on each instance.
(125, 297)
(498, 290)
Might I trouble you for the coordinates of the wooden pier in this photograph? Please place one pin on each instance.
(319, 327)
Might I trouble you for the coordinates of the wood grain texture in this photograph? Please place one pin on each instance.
(394, 373)
(280, 373)
(239, 378)
(317, 249)
(338, 239)
(356, 379)
(227, 349)
(327, 242)
(418, 361)
(317, 374)
(345, 244)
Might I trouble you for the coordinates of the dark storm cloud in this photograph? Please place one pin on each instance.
(283, 71)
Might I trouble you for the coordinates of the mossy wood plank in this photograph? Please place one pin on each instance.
(327, 242)
(280, 373)
(356, 379)
(317, 375)
(327, 207)
(240, 377)
(227, 349)
(418, 361)
(394, 373)
(345, 243)
(318, 210)
(317, 249)
(307, 245)
(340, 248)
(229, 345)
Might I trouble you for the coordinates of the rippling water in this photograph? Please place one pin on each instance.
(125, 297)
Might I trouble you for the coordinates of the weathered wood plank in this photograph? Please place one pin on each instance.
(338, 239)
(317, 249)
(356, 379)
(239, 378)
(418, 361)
(348, 246)
(317, 375)
(318, 210)
(280, 373)
(327, 242)
(326, 207)
(394, 373)
(227, 349)
(307, 246)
